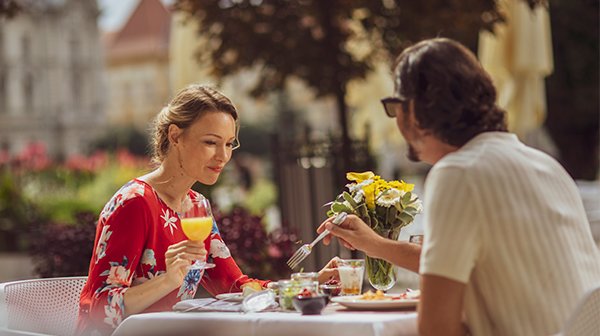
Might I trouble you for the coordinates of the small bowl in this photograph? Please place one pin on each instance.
(331, 290)
(310, 305)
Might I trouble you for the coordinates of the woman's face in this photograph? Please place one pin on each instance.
(205, 147)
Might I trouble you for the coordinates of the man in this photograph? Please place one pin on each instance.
(508, 248)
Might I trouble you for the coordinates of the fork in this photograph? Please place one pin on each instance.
(304, 250)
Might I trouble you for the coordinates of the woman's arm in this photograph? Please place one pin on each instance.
(178, 258)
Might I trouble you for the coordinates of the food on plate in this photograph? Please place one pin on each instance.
(251, 287)
(369, 295)
(305, 293)
(409, 294)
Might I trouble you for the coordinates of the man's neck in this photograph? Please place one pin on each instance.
(437, 149)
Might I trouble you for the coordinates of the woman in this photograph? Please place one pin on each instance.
(141, 256)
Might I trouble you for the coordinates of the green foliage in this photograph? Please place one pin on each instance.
(254, 140)
(312, 40)
(261, 195)
(125, 137)
(326, 44)
(16, 214)
(106, 182)
(64, 209)
(57, 194)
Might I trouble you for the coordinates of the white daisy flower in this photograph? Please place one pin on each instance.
(389, 198)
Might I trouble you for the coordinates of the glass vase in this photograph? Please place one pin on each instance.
(382, 274)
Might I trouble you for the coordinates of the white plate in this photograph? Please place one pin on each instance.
(354, 302)
(233, 297)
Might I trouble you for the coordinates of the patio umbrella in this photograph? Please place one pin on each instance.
(518, 57)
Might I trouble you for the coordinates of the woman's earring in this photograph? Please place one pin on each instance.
(180, 161)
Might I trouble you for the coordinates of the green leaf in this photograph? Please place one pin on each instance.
(340, 207)
(406, 218)
(406, 198)
(391, 214)
(410, 210)
(350, 200)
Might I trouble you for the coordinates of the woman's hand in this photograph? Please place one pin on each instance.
(329, 271)
(179, 257)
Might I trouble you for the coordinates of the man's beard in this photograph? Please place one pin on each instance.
(412, 154)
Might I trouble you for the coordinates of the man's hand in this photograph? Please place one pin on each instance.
(353, 233)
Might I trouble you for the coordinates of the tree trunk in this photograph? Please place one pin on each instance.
(343, 121)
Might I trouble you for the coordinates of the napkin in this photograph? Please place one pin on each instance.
(207, 305)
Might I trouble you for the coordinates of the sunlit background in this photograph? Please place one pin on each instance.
(81, 80)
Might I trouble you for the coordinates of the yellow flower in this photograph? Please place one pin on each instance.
(401, 185)
(381, 186)
(370, 195)
(359, 177)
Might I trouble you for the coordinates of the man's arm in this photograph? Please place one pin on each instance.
(355, 234)
(399, 253)
(441, 306)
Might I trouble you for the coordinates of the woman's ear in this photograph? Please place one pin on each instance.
(174, 134)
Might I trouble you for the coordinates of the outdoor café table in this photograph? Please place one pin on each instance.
(334, 320)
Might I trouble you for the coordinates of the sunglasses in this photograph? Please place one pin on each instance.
(391, 105)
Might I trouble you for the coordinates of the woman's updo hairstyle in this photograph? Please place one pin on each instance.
(190, 104)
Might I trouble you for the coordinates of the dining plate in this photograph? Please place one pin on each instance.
(234, 297)
(355, 302)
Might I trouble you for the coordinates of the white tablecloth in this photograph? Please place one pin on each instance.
(334, 321)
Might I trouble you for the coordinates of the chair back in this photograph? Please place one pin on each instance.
(585, 320)
(48, 306)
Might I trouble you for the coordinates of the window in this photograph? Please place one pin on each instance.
(26, 48)
(28, 93)
(1, 45)
(76, 88)
(76, 73)
(3, 90)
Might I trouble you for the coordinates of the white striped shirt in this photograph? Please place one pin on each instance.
(508, 221)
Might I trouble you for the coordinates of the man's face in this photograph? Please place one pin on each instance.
(406, 122)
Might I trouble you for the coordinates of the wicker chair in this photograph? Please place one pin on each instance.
(585, 320)
(46, 306)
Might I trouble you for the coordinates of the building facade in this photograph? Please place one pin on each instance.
(137, 63)
(51, 77)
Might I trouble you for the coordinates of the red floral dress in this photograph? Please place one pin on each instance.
(134, 231)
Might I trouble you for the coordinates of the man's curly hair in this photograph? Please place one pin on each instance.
(454, 97)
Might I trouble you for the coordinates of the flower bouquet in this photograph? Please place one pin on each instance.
(387, 207)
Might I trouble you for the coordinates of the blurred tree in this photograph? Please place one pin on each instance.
(573, 89)
(9, 8)
(326, 43)
(124, 137)
(17, 214)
